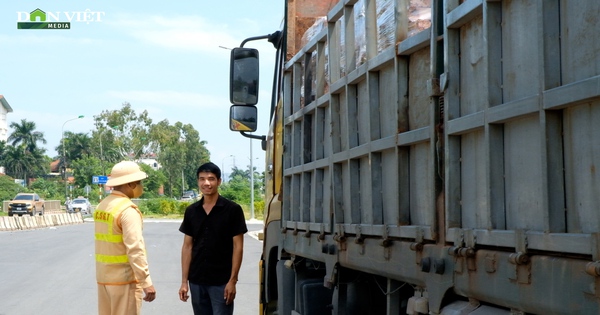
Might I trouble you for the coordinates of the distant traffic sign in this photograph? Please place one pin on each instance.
(99, 179)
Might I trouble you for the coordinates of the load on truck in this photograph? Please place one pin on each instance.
(429, 157)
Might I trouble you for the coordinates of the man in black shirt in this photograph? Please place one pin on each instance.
(212, 249)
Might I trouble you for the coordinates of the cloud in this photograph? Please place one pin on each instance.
(186, 33)
(168, 98)
(36, 39)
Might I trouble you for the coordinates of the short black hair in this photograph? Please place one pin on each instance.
(209, 167)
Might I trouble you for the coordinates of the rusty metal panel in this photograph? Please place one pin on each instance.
(511, 152)
(363, 113)
(473, 62)
(582, 160)
(474, 180)
(523, 173)
(580, 45)
(388, 98)
(508, 132)
(421, 185)
(419, 111)
(521, 49)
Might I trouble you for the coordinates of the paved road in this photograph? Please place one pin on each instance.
(52, 271)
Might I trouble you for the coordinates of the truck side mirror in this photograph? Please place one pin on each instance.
(243, 76)
(243, 118)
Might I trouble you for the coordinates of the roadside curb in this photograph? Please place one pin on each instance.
(36, 222)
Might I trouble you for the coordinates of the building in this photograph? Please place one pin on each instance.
(150, 162)
(4, 110)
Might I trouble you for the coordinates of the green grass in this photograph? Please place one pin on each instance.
(163, 216)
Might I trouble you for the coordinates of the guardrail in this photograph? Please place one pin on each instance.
(27, 222)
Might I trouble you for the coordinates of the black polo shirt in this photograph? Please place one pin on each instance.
(213, 239)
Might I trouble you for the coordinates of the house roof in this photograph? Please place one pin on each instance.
(5, 104)
(54, 166)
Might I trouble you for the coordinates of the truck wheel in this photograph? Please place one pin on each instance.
(32, 213)
(10, 214)
(42, 212)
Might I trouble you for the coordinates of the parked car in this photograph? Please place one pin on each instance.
(26, 203)
(189, 195)
(80, 204)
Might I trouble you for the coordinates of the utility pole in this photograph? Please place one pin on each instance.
(251, 184)
(62, 132)
(182, 183)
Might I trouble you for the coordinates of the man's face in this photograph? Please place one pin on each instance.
(138, 189)
(208, 183)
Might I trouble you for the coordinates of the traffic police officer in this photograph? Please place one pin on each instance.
(121, 263)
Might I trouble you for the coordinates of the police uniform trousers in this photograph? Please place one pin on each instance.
(120, 299)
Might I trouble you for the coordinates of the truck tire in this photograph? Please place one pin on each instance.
(32, 213)
(42, 212)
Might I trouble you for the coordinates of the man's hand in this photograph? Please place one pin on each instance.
(150, 294)
(183, 292)
(229, 292)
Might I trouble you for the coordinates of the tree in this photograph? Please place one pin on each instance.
(80, 146)
(84, 169)
(131, 131)
(25, 134)
(238, 186)
(170, 154)
(152, 184)
(23, 158)
(236, 189)
(244, 173)
(2, 150)
(195, 153)
(180, 151)
(20, 163)
(102, 147)
(76, 146)
(8, 188)
(48, 189)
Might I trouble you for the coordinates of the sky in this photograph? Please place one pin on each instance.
(162, 57)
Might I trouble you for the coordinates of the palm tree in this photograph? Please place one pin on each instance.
(80, 146)
(16, 162)
(26, 134)
(76, 146)
(2, 152)
(23, 157)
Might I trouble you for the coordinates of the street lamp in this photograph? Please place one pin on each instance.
(62, 133)
(100, 135)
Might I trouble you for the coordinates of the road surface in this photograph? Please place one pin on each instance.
(52, 270)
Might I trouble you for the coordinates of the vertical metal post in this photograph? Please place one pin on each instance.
(182, 183)
(251, 184)
(62, 134)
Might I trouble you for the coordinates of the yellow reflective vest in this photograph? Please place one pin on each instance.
(119, 261)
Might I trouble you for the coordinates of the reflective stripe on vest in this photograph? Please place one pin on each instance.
(109, 237)
(110, 259)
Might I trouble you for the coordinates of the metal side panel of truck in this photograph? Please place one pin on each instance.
(442, 168)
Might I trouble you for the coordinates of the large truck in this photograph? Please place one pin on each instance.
(429, 157)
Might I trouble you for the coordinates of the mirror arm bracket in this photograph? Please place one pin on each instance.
(274, 38)
(263, 138)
